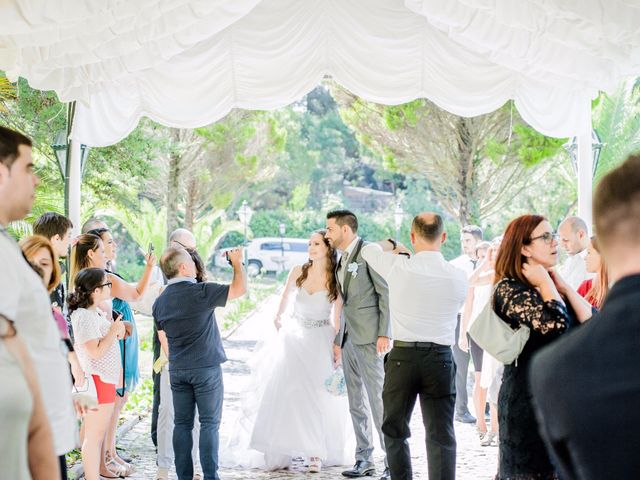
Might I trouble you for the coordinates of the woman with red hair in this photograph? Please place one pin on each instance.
(528, 292)
(595, 290)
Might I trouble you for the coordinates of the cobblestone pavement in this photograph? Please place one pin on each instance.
(473, 461)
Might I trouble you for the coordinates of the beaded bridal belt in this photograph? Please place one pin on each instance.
(309, 323)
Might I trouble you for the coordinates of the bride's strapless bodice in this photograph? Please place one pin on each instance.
(310, 309)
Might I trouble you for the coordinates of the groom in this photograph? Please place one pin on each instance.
(363, 338)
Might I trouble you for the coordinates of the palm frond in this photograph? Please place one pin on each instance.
(146, 225)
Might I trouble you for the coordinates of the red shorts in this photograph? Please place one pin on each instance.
(106, 391)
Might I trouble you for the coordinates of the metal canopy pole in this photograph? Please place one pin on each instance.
(585, 174)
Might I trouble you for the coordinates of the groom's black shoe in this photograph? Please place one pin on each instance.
(386, 475)
(362, 468)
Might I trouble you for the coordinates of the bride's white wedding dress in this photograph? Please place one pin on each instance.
(287, 411)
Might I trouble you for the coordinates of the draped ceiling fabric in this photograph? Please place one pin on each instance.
(187, 63)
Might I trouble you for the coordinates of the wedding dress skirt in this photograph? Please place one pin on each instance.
(287, 411)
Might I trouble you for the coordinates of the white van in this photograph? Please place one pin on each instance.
(272, 254)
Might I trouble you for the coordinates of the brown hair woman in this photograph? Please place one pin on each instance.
(296, 414)
(528, 292)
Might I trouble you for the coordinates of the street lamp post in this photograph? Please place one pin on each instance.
(282, 228)
(596, 147)
(398, 215)
(61, 149)
(244, 214)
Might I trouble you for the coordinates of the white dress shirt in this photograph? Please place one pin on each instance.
(345, 255)
(574, 270)
(425, 294)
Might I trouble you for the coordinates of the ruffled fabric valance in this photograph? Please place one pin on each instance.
(187, 63)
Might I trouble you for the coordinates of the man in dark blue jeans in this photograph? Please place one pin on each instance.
(184, 315)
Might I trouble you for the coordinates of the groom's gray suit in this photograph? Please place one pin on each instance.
(365, 317)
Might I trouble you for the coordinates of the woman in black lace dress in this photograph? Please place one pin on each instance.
(528, 293)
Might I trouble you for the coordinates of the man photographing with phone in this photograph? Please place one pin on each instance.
(185, 313)
(425, 294)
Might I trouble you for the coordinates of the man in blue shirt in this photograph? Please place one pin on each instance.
(185, 313)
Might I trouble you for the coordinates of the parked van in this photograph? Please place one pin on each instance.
(271, 254)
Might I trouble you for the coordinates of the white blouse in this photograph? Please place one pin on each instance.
(89, 325)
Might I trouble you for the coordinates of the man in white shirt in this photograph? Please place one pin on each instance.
(470, 236)
(575, 240)
(425, 295)
(25, 301)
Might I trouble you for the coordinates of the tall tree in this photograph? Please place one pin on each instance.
(475, 166)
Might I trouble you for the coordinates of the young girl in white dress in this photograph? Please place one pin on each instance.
(294, 415)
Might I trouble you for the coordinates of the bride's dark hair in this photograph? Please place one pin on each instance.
(332, 262)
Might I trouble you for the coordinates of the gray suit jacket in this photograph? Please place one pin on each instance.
(365, 314)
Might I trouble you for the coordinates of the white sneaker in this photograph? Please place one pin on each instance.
(163, 474)
(315, 465)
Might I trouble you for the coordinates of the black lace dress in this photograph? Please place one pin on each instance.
(522, 452)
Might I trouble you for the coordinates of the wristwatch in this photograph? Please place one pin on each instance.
(393, 243)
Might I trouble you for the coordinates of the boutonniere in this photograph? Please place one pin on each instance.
(352, 268)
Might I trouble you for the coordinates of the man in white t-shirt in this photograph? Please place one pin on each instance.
(574, 238)
(470, 236)
(24, 299)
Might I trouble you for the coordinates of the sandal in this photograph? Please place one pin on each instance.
(315, 465)
(117, 468)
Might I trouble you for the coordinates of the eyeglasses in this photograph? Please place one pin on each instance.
(547, 237)
(108, 284)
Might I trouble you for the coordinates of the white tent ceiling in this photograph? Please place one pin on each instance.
(186, 63)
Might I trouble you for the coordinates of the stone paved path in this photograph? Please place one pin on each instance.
(473, 462)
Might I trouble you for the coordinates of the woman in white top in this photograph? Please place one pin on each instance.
(480, 288)
(96, 342)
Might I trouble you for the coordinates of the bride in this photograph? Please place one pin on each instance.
(293, 414)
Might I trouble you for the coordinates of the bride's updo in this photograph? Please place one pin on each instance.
(332, 263)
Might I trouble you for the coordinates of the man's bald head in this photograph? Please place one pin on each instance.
(428, 227)
(574, 236)
(93, 224)
(177, 261)
(182, 237)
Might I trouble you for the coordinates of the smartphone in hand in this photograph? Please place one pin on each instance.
(151, 249)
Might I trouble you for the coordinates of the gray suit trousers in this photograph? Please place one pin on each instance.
(364, 372)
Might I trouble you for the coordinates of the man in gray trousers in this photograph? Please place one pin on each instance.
(363, 339)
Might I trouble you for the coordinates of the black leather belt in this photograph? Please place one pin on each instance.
(401, 344)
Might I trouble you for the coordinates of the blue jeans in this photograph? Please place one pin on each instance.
(202, 387)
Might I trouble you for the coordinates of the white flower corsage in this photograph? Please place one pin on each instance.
(352, 268)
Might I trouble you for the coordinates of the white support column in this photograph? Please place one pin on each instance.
(75, 182)
(585, 175)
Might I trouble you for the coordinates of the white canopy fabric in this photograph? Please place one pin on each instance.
(187, 63)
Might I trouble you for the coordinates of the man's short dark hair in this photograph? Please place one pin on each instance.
(428, 226)
(616, 205)
(10, 140)
(50, 224)
(344, 217)
(171, 260)
(474, 230)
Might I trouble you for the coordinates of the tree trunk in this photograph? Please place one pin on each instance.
(465, 173)
(190, 203)
(173, 183)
